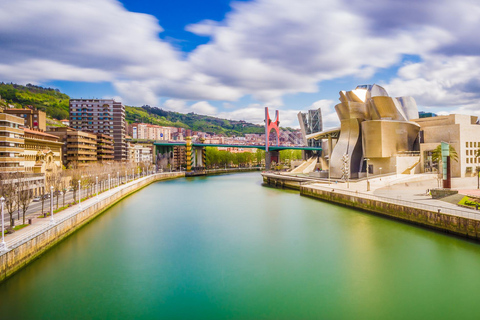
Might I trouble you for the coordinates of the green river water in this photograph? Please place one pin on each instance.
(226, 247)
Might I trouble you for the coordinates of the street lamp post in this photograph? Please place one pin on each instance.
(118, 178)
(79, 196)
(329, 170)
(478, 177)
(51, 205)
(125, 176)
(96, 186)
(368, 182)
(3, 245)
(109, 183)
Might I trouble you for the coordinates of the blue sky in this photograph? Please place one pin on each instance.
(231, 59)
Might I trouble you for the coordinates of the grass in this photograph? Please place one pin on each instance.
(469, 202)
(16, 228)
(20, 226)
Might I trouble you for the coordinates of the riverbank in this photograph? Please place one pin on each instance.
(462, 222)
(28, 244)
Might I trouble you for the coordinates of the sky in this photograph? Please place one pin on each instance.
(233, 58)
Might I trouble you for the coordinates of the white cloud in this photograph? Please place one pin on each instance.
(203, 107)
(263, 48)
(440, 82)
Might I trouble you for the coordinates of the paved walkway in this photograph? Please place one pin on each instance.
(408, 190)
(39, 225)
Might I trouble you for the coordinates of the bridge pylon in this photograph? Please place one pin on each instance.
(189, 153)
(269, 126)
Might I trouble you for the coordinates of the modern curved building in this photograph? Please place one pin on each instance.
(375, 130)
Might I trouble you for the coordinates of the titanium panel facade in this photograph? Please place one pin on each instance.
(373, 125)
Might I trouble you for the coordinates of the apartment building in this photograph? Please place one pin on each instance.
(11, 143)
(33, 118)
(105, 147)
(79, 146)
(143, 154)
(145, 131)
(105, 116)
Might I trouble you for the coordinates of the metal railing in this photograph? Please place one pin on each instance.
(67, 214)
(465, 213)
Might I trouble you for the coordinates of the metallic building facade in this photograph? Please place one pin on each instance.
(311, 122)
(373, 126)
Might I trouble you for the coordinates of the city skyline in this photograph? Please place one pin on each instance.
(231, 59)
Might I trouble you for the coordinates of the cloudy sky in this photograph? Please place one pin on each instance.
(230, 59)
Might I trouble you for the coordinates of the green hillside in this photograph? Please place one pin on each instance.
(199, 122)
(50, 100)
(55, 104)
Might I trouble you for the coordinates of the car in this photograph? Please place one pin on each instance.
(37, 199)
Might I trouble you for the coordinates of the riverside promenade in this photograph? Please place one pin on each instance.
(401, 197)
(29, 243)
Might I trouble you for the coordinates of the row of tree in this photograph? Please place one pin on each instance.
(221, 158)
(17, 188)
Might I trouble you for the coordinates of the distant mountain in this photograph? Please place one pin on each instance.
(55, 104)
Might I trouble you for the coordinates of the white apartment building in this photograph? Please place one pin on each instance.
(145, 131)
(142, 154)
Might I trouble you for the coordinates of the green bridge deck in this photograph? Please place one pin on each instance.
(262, 147)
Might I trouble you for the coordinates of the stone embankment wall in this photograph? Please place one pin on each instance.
(462, 226)
(281, 181)
(18, 257)
(230, 170)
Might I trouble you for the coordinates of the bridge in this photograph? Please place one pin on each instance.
(195, 153)
(262, 147)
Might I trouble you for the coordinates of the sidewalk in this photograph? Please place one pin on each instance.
(407, 190)
(40, 225)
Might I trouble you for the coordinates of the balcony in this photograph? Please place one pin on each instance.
(81, 139)
(77, 152)
(81, 158)
(11, 149)
(11, 129)
(10, 139)
(12, 169)
(12, 159)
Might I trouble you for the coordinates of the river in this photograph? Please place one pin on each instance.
(225, 247)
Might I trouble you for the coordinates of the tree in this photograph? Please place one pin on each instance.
(25, 194)
(8, 191)
(437, 154)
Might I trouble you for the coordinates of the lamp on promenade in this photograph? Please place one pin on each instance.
(79, 196)
(368, 182)
(96, 186)
(3, 245)
(118, 178)
(477, 169)
(125, 175)
(51, 205)
(109, 183)
(328, 170)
